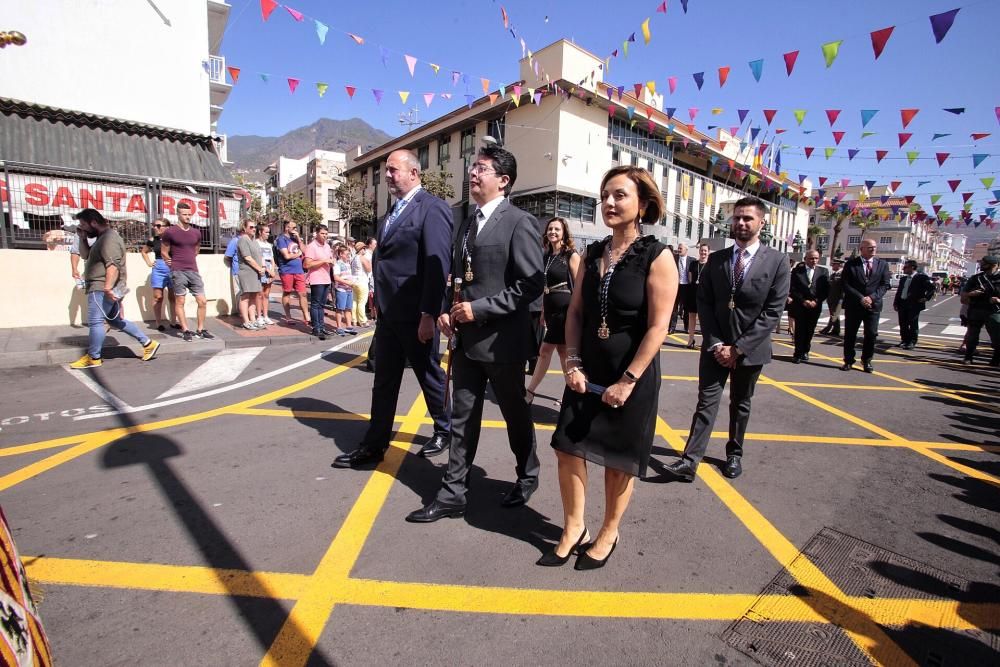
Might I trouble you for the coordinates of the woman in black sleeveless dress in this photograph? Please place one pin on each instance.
(561, 265)
(691, 305)
(616, 322)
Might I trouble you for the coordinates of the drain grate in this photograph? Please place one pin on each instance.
(860, 569)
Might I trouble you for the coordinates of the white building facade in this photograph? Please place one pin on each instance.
(315, 177)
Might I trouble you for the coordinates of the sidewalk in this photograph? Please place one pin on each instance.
(46, 346)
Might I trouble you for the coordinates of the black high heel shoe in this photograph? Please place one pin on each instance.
(586, 562)
(552, 559)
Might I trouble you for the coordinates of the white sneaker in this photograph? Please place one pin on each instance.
(252, 326)
(268, 320)
(261, 323)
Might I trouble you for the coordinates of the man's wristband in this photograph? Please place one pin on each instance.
(630, 376)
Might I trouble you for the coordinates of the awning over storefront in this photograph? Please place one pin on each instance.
(57, 138)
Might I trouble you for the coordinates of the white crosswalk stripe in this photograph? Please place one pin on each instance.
(224, 367)
(953, 330)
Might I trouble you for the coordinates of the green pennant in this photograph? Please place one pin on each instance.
(830, 51)
(800, 115)
(321, 88)
(987, 182)
(935, 199)
(967, 206)
(829, 152)
(867, 134)
(912, 155)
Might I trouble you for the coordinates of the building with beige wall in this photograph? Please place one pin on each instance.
(316, 177)
(569, 138)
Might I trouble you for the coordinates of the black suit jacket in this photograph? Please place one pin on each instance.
(508, 277)
(759, 302)
(412, 261)
(920, 291)
(801, 290)
(857, 286)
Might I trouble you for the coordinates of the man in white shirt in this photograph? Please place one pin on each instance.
(683, 260)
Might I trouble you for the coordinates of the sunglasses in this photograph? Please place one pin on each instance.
(157, 226)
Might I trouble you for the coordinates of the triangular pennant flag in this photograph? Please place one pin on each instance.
(645, 31)
(357, 40)
(637, 87)
(904, 137)
(879, 38)
(445, 96)
(469, 99)
(378, 95)
(503, 91)
(699, 79)
(879, 154)
(867, 115)
(504, 17)
(690, 128)
(321, 30)
(410, 63)
(266, 7)
(911, 156)
(234, 73)
(383, 54)
(630, 110)
(907, 115)
(684, 6)
(742, 113)
(895, 185)
(672, 84)
(350, 91)
(800, 115)
(938, 135)
(954, 184)
(976, 136)
(436, 68)
(723, 75)
(651, 85)
(671, 112)
(851, 152)
(769, 115)
(454, 77)
(832, 115)
(486, 85)
(321, 88)
(516, 99)
(716, 111)
(941, 24)
(868, 134)
(757, 68)
(403, 95)
(921, 184)
(295, 14)
(966, 196)
(662, 9)
(292, 84)
(537, 99)
(837, 136)
(754, 131)
(822, 182)
(941, 157)
(631, 38)
(830, 51)
(780, 131)
(956, 110)
(692, 112)
(494, 96)
(987, 182)
(428, 98)
(809, 151)
(977, 159)
(996, 110)
(829, 152)
(517, 90)
(733, 131)
(935, 199)
(790, 59)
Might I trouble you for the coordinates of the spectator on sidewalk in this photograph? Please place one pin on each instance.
(231, 257)
(361, 268)
(293, 280)
(343, 285)
(251, 271)
(159, 279)
(270, 273)
(179, 246)
(318, 262)
(105, 274)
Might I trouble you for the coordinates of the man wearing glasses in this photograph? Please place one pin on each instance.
(497, 255)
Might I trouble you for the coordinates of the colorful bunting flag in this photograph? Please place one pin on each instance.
(436, 68)
(494, 96)
(935, 199)
(699, 79)
(742, 113)
(757, 68)
(894, 185)
(920, 184)
(830, 51)
(645, 31)
(867, 115)
(809, 151)
(879, 38)
(295, 14)
(486, 85)
(321, 88)
(837, 136)
(941, 157)
(829, 152)
(506, 19)
(987, 182)
(684, 6)
(234, 73)
(321, 30)
(956, 110)
(662, 9)
(966, 196)
(723, 75)
(403, 95)
(428, 98)
(790, 59)
(266, 7)
(938, 135)
(977, 159)
(410, 63)
(350, 91)
(904, 137)
(651, 85)
(769, 115)
(292, 84)
(976, 136)
(832, 115)
(941, 24)
(879, 154)
(851, 152)
(378, 95)
(692, 112)
(954, 184)
(996, 110)
(800, 115)
(672, 84)
(907, 115)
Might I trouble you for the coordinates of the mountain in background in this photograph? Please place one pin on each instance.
(250, 154)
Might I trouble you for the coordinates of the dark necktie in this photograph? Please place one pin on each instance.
(740, 266)
(868, 268)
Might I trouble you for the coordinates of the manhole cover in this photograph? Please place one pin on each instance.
(860, 569)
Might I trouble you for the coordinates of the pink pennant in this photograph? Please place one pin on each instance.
(266, 7)
(790, 58)
(941, 157)
(907, 115)
(879, 38)
(844, 182)
(411, 62)
(517, 90)
(428, 98)
(292, 84)
(996, 110)
(769, 115)
(672, 84)
(831, 115)
(350, 91)
(297, 15)
(733, 131)
(837, 136)
(692, 112)
(637, 87)
(809, 151)
(904, 137)
(954, 184)
(662, 9)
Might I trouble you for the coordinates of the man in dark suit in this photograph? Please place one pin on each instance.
(836, 295)
(498, 256)
(914, 290)
(410, 269)
(810, 286)
(683, 262)
(741, 294)
(865, 281)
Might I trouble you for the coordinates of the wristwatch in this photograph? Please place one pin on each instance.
(630, 376)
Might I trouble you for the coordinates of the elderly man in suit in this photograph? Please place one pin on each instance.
(741, 294)
(499, 259)
(410, 271)
(914, 291)
(836, 295)
(810, 286)
(865, 281)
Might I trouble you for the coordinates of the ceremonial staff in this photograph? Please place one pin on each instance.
(456, 284)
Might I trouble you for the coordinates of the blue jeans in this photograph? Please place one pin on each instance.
(100, 309)
(317, 299)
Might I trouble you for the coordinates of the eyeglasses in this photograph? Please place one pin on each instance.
(480, 169)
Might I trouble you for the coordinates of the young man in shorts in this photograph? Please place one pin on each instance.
(293, 279)
(179, 246)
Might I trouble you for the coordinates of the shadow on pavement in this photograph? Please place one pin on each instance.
(345, 434)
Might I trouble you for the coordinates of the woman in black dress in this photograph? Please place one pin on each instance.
(561, 265)
(617, 320)
(691, 304)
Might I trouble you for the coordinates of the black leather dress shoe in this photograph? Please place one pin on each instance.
(434, 511)
(519, 495)
(437, 444)
(795, 359)
(359, 458)
(847, 366)
(805, 357)
(733, 467)
(682, 469)
(867, 367)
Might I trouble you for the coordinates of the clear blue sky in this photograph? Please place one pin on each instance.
(913, 72)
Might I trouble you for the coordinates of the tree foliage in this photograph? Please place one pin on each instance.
(354, 207)
(438, 183)
(295, 207)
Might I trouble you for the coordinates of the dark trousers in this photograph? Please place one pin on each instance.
(975, 327)
(805, 327)
(854, 316)
(469, 379)
(679, 311)
(317, 299)
(395, 344)
(909, 324)
(711, 381)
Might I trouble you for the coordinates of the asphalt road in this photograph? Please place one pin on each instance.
(201, 522)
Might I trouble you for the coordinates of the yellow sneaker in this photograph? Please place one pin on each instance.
(149, 350)
(86, 361)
